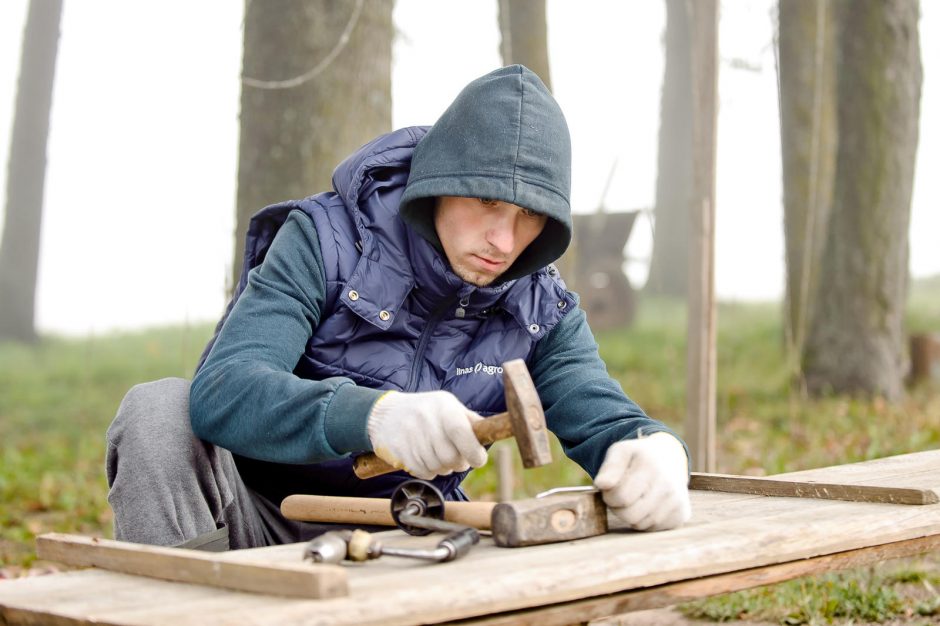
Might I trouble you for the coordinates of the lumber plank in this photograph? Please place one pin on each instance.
(804, 489)
(192, 566)
(98, 596)
(582, 611)
(532, 577)
(729, 533)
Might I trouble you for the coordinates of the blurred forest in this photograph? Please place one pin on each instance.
(825, 377)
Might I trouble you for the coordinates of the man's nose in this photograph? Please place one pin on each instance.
(501, 235)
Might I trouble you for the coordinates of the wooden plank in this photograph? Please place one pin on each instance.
(701, 351)
(582, 611)
(97, 596)
(191, 566)
(800, 489)
(531, 577)
(383, 592)
(728, 533)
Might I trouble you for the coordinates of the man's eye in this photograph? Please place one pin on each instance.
(488, 201)
(529, 213)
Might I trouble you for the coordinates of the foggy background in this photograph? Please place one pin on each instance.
(140, 187)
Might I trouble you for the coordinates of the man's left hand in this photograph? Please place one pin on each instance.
(645, 482)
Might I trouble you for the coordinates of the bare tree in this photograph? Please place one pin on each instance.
(855, 342)
(524, 31)
(316, 86)
(26, 172)
(808, 137)
(669, 264)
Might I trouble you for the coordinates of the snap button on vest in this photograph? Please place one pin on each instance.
(353, 295)
(533, 328)
(384, 315)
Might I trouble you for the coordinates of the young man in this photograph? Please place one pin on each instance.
(375, 318)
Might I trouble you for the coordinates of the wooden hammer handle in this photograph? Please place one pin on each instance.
(493, 428)
(487, 431)
(375, 511)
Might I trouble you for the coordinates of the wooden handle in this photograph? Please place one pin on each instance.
(487, 431)
(493, 428)
(376, 511)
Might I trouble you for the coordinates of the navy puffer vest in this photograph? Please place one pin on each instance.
(395, 315)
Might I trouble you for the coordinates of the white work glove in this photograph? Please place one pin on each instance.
(426, 434)
(645, 482)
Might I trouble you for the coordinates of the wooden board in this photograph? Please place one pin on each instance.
(598, 607)
(791, 488)
(728, 533)
(191, 566)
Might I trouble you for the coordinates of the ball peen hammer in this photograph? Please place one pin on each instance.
(523, 419)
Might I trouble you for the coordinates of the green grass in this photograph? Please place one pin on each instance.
(871, 595)
(57, 399)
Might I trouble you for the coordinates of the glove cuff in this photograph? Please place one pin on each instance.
(380, 413)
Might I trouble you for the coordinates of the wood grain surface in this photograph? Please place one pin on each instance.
(728, 535)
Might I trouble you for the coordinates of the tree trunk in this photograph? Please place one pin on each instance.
(26, 172)
(856, 337)
(669, 264)
(316, 86)
(523, 30)
(808, 142)
(524, 33)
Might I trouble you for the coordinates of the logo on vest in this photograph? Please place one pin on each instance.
(492, 370)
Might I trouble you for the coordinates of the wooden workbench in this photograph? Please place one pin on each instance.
(732, 542)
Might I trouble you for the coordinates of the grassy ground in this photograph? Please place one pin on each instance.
(57, 399)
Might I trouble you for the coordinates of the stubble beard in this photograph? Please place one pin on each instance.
(474, 277)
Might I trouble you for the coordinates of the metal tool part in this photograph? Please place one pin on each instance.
(416, 505)
(418, 509)
(557, 490)
(558, 516)
(330, 547)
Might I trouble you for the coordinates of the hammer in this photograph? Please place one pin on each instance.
(524, 420)
(547, 518)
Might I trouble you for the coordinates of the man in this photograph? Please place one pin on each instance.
(375, 318)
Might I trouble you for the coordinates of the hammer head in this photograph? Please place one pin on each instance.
(526, 417)
(560, 517)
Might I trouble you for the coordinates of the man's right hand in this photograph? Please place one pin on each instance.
(426, 434)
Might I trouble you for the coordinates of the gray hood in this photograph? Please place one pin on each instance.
(504, 138)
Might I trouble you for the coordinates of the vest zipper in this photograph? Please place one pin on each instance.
(436, 316)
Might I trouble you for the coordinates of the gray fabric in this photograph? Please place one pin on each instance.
(213, 541)
(168, 488)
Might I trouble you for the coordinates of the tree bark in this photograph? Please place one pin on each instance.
(669, 264)
(808, 139)
(26, 172)
(295, 132)
(523, 29)
(524, 32)
(856, 337)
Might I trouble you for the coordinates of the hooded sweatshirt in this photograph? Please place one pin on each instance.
(347, 293)
(504, 138)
